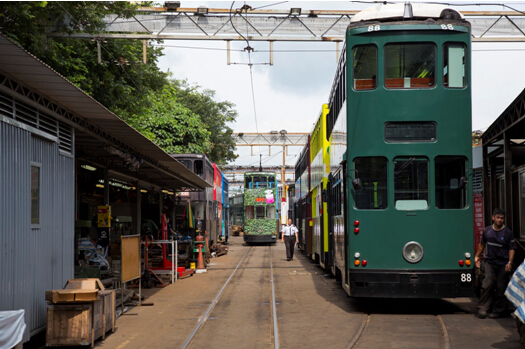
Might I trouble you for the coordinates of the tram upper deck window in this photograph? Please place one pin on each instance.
(411, 183)
(449, 170)
(271, 182)
(410, 65)
(373, 174)
(248, 182)
(365, 67)
(259, 182)
(198, 166)
(186, 163)
(454, 65)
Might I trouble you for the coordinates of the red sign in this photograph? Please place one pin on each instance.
(479, 223)
(260, 199)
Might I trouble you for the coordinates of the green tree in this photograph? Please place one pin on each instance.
(215, 116)
(171, 126)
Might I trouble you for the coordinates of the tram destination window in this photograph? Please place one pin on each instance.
(454, 65)
(449, 170)
(411, 183)
(373, 174)
(365, 67)
(410, 65)
(402, 132)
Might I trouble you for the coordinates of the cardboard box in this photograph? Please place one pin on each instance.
(84, 284)
(62, 296)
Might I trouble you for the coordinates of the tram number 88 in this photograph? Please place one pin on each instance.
(466, 277)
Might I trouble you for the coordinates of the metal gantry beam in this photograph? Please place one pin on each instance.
(161, 23)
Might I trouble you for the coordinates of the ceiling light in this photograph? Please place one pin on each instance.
(88, 167)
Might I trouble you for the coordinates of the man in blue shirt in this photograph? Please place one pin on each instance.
(499, 245)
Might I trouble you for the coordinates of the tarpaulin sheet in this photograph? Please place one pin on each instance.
(12, 327)
(515, 292)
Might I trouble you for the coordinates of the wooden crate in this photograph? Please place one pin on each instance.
(80, 323)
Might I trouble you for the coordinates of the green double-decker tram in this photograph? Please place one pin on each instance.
(261, 223)
(401, 215)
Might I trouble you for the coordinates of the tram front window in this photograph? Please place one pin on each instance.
(270, 212)
(259, 211)
(365, 67)
(373, 174)
(410, 65)
(411, 183)
(449, 170)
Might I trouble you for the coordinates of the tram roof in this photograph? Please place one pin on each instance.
(95, 126)
(404, 11)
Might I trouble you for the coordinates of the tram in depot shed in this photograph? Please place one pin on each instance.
(399, 126)
(261, 221)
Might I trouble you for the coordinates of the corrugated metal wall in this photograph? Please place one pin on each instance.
(33, 260)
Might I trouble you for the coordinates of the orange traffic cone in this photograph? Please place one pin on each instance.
(200, 260)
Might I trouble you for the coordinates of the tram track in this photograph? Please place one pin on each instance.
(241, 268)
(362, 333)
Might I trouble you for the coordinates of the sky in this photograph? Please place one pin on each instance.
(289, 94)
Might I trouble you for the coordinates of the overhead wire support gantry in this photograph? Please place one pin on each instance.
(270, 25)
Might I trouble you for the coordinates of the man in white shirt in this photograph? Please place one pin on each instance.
(289, 238)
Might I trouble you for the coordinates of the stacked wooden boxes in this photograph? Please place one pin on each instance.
(80, 313)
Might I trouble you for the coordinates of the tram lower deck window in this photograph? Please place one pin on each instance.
(411, 183)
(373, 174)
(449, 170)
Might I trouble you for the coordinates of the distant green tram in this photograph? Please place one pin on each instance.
(261, 223)
(399, 127)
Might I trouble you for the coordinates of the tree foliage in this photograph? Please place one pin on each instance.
(215, 115)
(173, 127)
(177, 117)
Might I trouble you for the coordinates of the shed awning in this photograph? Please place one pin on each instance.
(97, 128)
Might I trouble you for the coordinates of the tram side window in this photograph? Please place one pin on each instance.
(449, 170)
(410, 65)
(271, 182)
(411, 183)
(248, 182)
(454, 65)
(365, 67)
(337, 197)
(199, 167)
(373, 174)
(249, 212)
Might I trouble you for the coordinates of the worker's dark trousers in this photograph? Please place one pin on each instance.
(495, 277)
(289, 242)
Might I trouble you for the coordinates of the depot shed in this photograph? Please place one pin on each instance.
(48, 125)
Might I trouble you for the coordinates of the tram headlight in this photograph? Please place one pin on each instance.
(413, 252)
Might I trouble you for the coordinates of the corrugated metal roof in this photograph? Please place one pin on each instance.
(107, 128)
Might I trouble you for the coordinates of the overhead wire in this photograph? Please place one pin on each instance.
(248, 48)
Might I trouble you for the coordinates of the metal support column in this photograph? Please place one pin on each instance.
(139, 210)
(508, 182)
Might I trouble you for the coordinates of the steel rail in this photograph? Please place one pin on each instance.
(212, 305)
(274, 311)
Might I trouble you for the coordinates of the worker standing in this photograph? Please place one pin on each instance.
(289, 238)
